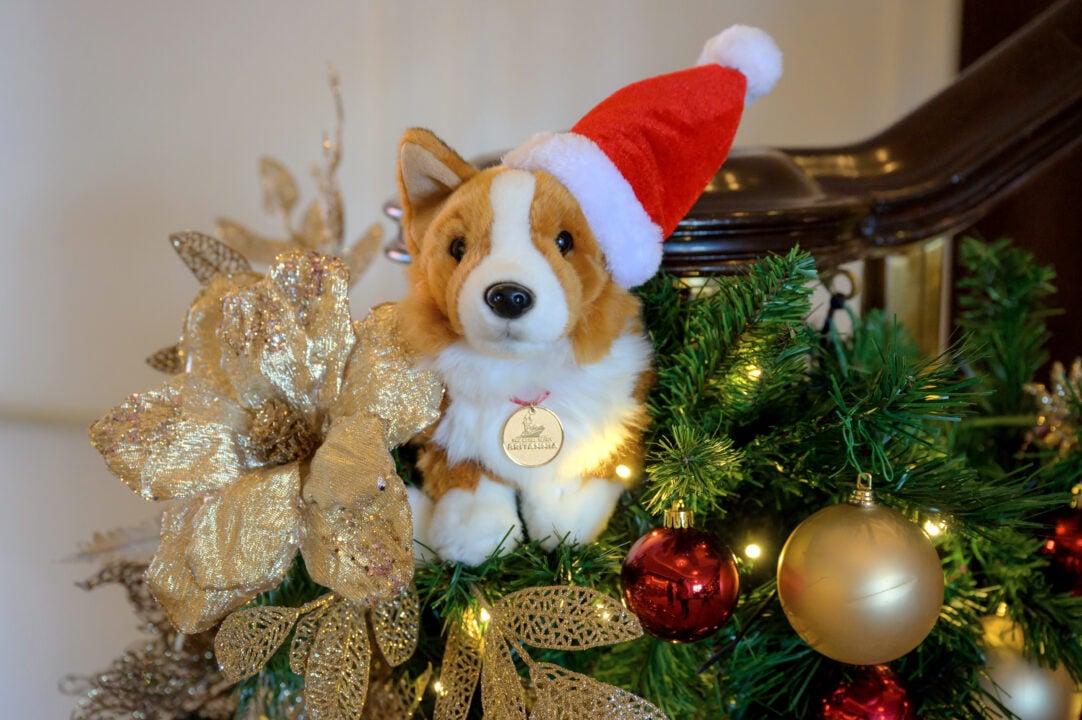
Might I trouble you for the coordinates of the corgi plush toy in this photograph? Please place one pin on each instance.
(520, 300)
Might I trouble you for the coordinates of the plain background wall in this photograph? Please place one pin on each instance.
(122, 121)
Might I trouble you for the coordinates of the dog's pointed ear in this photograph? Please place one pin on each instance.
(428, 172)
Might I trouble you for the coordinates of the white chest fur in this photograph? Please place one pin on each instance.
(594, 403)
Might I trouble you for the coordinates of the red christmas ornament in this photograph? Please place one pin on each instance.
(872, 693)
(680, 581)
(1064, 543)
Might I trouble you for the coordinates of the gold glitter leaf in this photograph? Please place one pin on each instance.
(303, 637)
(361, 254)
(207, 256)
(279, 188)
(248, 638)
(460, 672)
(565, 618)
(313, 234)
(501, 687)
(395, 626)
(250, 244)
(566, 695)
(167, 360)
(336, 680)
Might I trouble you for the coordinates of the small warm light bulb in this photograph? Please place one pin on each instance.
(438, 687)
(623, 472)
(933, 528)
(755, 372)
(753, 551)
(485, 617)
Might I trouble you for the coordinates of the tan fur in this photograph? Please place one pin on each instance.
(441, 477)
(444, 197)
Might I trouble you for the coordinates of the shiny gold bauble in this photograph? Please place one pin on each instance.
(1025, 688)
(860, 583)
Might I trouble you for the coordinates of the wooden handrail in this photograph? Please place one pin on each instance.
(934, 172)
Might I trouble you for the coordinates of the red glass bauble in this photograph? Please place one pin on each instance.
(873, 692)
(681, 583)
(1064, 543)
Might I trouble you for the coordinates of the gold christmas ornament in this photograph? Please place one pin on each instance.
(1028, 690)
(274, 439)
(556, 618)
(859, 582)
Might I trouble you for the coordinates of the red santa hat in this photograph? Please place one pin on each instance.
(639, 160)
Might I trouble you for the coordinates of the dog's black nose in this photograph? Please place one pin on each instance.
(509, 300)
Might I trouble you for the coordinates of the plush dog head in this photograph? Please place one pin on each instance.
(502, 258)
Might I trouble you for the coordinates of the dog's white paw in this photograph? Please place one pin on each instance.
(575, 511)
(467, 527)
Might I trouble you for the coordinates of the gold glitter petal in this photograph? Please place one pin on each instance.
(566, 695)
(336, 680)
(501, 688)
(565, 618)
(359, 539)
(248, 638)
(317, 288)
(190, 608)
(382, 378)
(199, 346)
(247, 535)
(171, 442)
(263, 348)
(395, 627)
(460, 672)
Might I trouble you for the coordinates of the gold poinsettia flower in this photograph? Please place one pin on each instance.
(274, 440)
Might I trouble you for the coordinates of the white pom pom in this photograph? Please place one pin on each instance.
(749, 50)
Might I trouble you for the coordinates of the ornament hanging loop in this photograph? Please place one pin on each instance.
(862, 494)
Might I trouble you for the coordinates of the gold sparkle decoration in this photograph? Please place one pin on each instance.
(1058, 407)
(330, 649)
(166, 675)
(274, 440)
(322, 224)
(483, 645)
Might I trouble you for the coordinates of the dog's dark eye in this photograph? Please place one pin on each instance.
(458, 248)
(565, 242)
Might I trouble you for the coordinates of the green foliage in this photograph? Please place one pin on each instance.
(758, 422)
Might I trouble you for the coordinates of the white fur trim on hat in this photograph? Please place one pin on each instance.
(627, 235)
(749, 50)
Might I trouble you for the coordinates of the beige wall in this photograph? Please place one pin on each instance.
(124, 120)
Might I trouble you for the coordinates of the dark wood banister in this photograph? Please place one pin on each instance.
(933, 172)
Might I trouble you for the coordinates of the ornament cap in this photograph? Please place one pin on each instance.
(678, 516)
(862, 494)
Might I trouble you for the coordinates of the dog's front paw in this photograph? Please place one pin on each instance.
(575, 512)
(467, 526)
